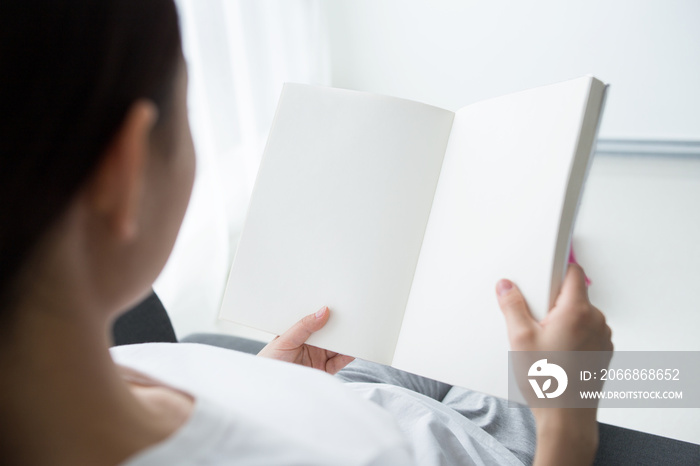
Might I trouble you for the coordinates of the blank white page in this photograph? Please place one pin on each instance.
(496, 214)
(337, 217)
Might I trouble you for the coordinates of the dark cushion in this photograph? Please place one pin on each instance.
(225, 341)
(147, 322)
(620, 446)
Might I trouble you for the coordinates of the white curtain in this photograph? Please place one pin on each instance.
(239, 53)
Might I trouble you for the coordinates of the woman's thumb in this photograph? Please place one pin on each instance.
(302, 330)
(521, 325)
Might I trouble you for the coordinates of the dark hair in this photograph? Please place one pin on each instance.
(69, 71)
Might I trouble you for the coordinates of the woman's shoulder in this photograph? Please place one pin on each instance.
(223, 374)
(258, 406)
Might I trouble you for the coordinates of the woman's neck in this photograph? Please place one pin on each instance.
(63, 401)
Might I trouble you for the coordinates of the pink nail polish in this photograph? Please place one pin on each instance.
(503, 287)
(572, 260)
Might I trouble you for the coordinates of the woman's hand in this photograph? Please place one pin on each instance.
(573, 324)
(291, 346)
(564, 435)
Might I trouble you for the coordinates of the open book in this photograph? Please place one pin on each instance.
(401, 217)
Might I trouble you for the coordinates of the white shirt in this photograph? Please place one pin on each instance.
(257, 411)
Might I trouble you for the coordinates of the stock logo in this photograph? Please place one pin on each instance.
(542, 369)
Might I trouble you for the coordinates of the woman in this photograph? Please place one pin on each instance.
(96, 169)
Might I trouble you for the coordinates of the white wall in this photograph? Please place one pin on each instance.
(638, 233)
(638, 237)
(454, 52)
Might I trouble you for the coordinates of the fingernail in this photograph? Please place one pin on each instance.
(503, 287)
(320, 313)
(572, 260)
